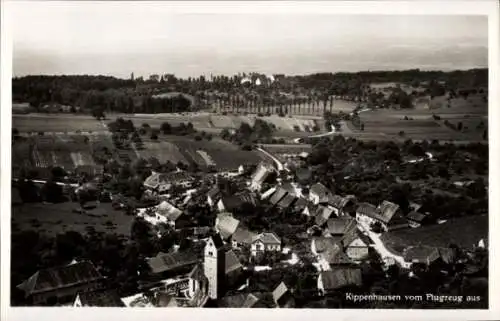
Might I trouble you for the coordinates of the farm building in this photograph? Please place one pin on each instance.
(387, 214)
(330, 281)
(168, 213)
(340, 226)
(427, 255)
(343, 205)
(319, 193)
(260, 175)
(242, 237)
(265, 242)
(99, 298)
(60, 285)
(323, 213)
(162, 182)
(171, 264)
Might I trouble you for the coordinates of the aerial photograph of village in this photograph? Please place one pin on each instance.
(248, 161)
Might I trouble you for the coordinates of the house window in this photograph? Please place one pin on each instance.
(210, 253)
(258, 247)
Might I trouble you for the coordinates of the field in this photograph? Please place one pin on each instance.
(56, 123)
(217, 152)
(60, 218)
(420, 124)
(161, 150)
(464, 232)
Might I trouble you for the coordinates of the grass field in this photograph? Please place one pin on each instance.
(60, 218)
(464, 232)
(223, 154)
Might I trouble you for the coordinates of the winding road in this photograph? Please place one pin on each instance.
(279, 165)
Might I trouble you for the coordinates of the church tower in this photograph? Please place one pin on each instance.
(214, 266)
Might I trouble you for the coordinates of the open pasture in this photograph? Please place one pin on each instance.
(56, 123)
(60, 218)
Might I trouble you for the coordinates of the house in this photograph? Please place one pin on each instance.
(340, 226)
(329, 252)
(229, 203)
(262, 172)
(242, 237)
(99, 298)
(387, 214)
(226, 225)
(319, 193)
(278, 195)
(287, 201)
(310, 209)
(283, 297)
(416, 219)
(427, 255)
(300, 204)
(265, 242)
(60, 285)
(356, 245)
(172, 263)
(338, 278)
(167, 213)
(322, 214)
(162, 182)
(343, 205)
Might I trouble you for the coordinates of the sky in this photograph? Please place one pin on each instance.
(120, 38)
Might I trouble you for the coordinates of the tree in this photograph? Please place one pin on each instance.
(166, 128)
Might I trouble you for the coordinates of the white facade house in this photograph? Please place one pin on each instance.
(265, 242)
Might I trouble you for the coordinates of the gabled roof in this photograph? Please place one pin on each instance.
(323, 243)
(268, 238)
(323, 213)
(340, 225)
(341, 277)
(387, 210)
(287, 201)
(300, 204)
(242, 300)
(289, 188)
(421, 254)
(278, 195)
(168, 261)
(60, 277)
(367, 209)
(100, 298)
(169, 211)
(232, 262)
(279, 292)
(243, 236)
(321, 190)
(231, 202)
(416, 216)
(226, 225)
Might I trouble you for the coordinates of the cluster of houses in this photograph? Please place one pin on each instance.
(343, 235)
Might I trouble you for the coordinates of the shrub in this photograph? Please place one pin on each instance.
(260, 114)
(197, 138)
